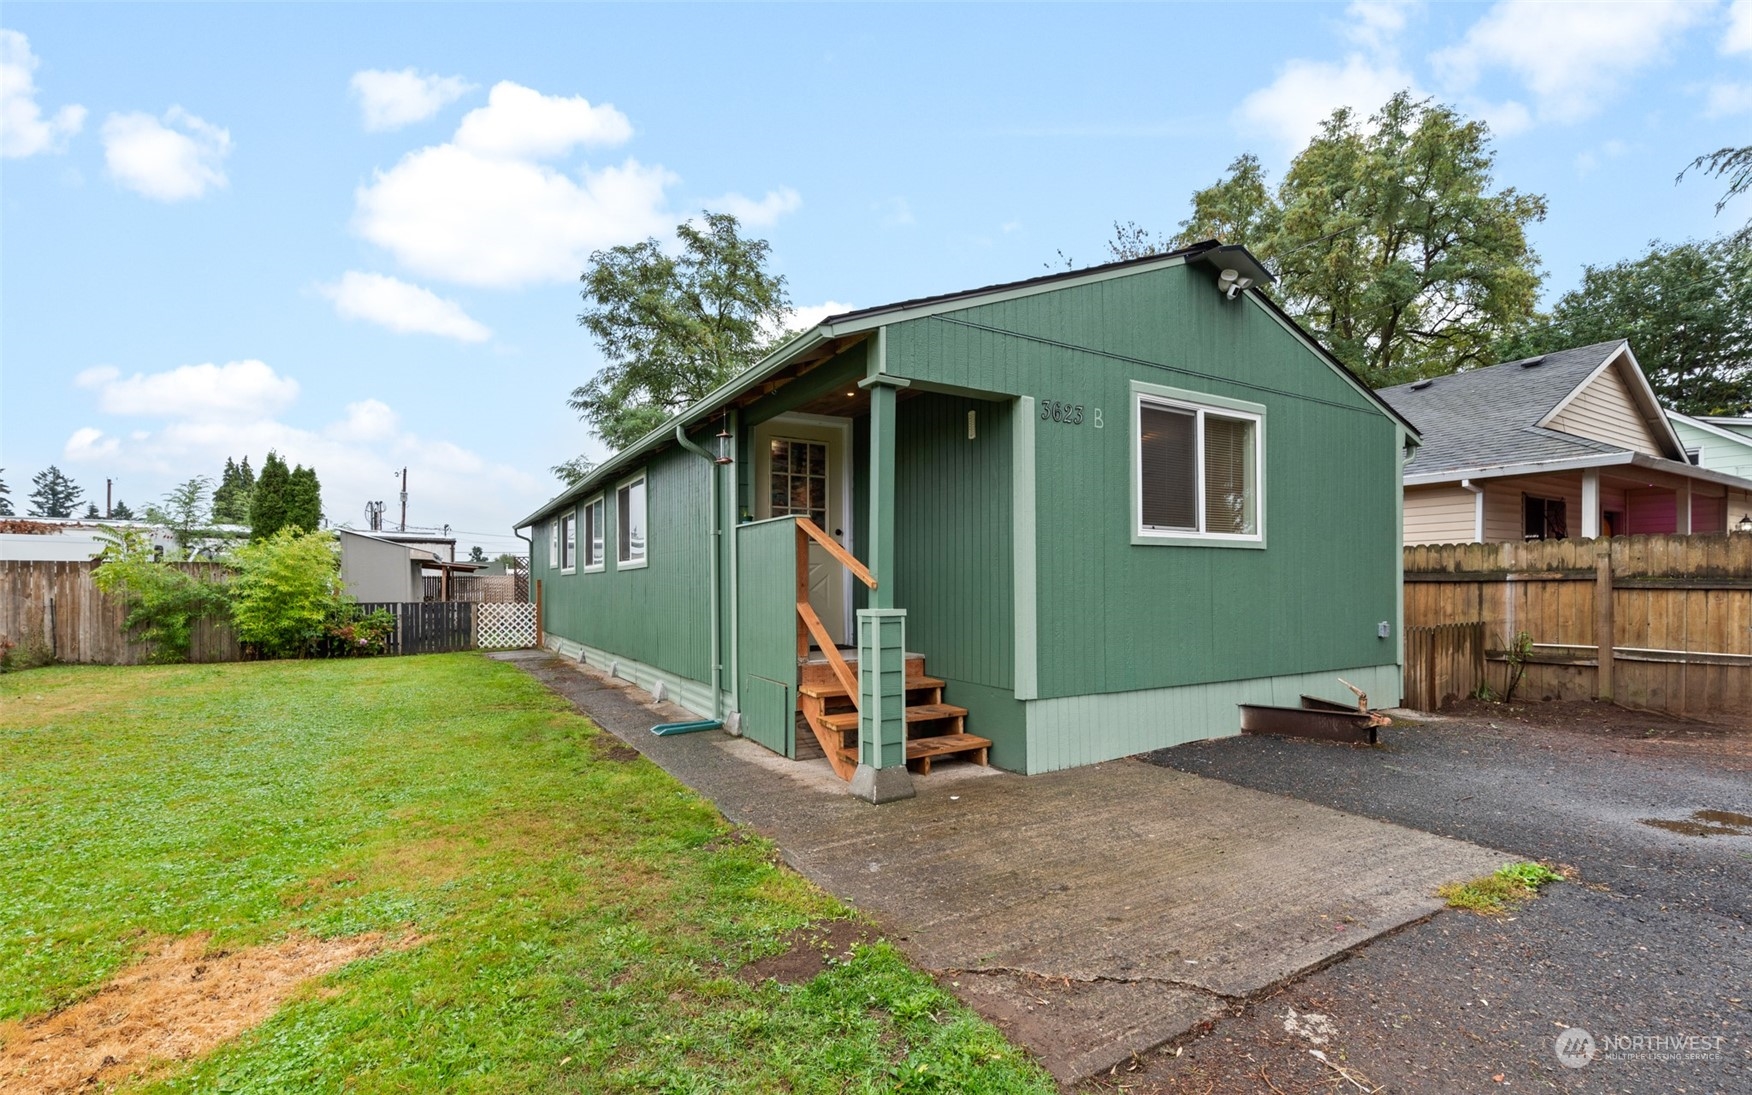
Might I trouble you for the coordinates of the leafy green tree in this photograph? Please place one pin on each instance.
(91, 510)
(267, 507)
(1734, 165)
(187, 512)
(476, 555)
(55, 494)
(287, 591)
(672, 328)
(1388, 242)
(303, 499)
(573, 471)
(231, 498)
(1687, 311)
(121, 512)
(5, 498)
(162, 601)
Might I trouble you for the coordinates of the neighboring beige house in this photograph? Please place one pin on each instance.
(1571, 443)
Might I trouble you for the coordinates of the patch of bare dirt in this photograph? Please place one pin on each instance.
(808, 950)
(1722, 732)
(178, 1003)
(605, 746)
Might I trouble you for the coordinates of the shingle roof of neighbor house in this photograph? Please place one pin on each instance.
(1487, 417)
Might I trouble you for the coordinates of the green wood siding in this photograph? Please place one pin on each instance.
(953, 538)
(766, 622)
(1113, 616)
(659, 614)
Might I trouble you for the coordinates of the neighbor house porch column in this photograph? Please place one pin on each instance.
(1591, 503)
(881, 774)
(1682, 508)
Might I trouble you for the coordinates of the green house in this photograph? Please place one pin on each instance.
(1041, 524)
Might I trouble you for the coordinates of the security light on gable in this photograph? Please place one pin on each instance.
(1230, 283)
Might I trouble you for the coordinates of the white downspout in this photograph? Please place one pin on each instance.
(1477, 510)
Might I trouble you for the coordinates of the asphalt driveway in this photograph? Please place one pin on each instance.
(1650, 951)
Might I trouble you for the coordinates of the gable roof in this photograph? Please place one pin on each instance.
(1496, 417)
(859, 321)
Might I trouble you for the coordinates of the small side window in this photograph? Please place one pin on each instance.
(568, 543)
(630, 515)
(594, 511)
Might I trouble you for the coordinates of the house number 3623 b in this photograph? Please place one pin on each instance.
(1069, 414)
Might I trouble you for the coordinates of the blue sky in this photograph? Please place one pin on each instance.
(353, 233)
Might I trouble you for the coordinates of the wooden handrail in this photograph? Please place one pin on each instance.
(830, 650)
(845, 558)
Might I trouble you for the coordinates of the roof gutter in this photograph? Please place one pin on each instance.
(1604, 460)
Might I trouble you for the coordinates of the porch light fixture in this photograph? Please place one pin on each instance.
(1745, 524)
(724, 445)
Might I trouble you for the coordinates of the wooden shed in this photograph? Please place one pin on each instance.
(1074, 517)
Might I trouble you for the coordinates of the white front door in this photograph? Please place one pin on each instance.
(800, 469)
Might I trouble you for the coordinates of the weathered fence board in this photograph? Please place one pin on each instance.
(435, 628)
(55, 603)
(1689, 597)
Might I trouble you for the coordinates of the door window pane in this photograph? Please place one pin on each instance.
(799, 480)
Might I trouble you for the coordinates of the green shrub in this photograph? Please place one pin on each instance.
(162, 601)
(287, 593)
(355, 634)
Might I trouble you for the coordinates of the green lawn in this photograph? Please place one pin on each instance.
(585, 915)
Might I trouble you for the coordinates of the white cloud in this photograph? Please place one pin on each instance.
(367, 420)
(1377, 24)
(520, 122)
(448, 213)
(1738, 38)
(1590, 159)
(390, 100)
(357, 456)
(401, 307)
(23, 129)
(173, 160)
(758, 214)
(1728, 99)
(1571, 57)
(89, 443)
(484, 209)
(1291, 108)
(806, 316)
(238, 391)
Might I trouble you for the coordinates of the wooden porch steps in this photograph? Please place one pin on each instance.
(921, 712)
(934, 729)
(833, 691)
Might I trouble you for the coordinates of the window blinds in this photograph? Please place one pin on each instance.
(1228, 452)
(1168, 468)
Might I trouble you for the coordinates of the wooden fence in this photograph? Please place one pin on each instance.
(56, 605)
(1658, 622)
(433, 628)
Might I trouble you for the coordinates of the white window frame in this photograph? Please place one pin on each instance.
(601, 556)
(1199, 403)
(553, 553)
(568, 523)
(645, 559)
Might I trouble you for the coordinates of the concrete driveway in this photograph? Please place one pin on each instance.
(1092, 914)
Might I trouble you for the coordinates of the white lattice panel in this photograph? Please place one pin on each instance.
(504, 625)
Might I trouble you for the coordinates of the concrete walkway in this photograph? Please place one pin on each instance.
(1093, 913)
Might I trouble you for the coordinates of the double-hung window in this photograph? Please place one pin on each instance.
(629, 513)
(593, 533)
(1196, 468)
(553, 556)
(568, 543)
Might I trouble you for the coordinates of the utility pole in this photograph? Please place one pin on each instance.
(404, 519)
(108, 496)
